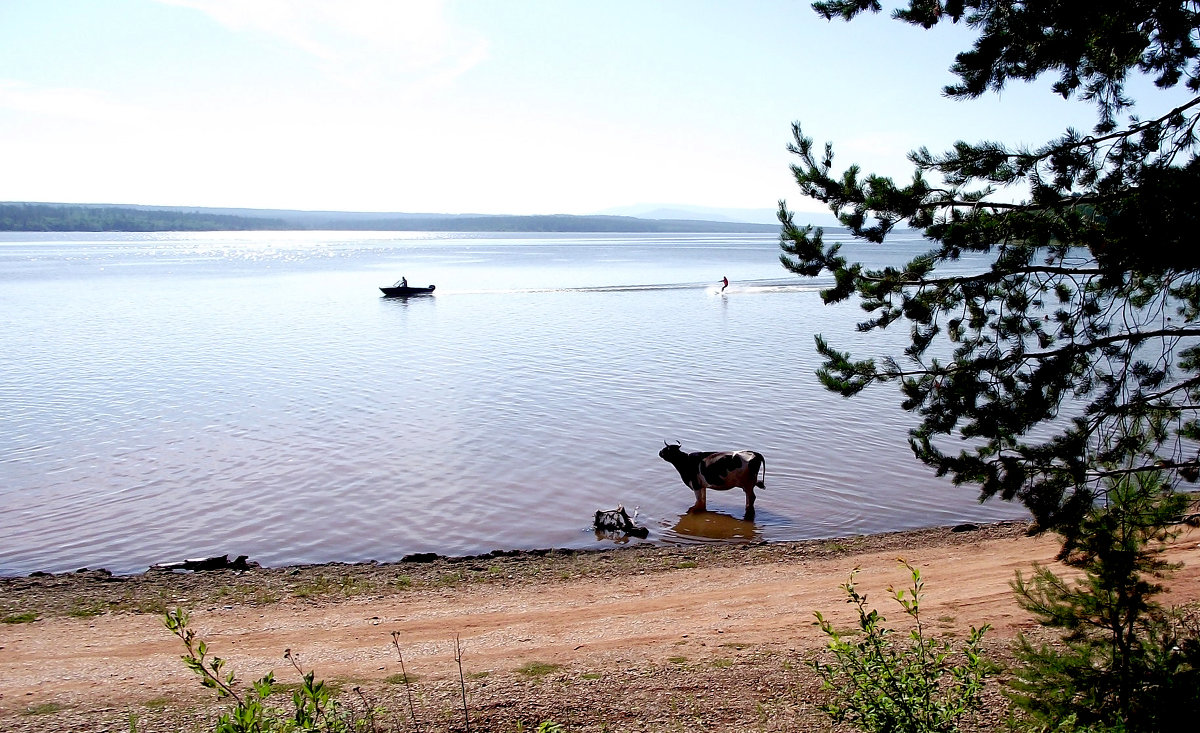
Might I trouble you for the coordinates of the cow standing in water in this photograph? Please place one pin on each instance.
(718, 471)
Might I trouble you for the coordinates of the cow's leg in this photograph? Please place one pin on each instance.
(749, 503)
(701, 503)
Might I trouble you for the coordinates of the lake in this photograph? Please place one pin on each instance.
(177, 395)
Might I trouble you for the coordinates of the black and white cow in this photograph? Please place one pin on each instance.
(718, 471)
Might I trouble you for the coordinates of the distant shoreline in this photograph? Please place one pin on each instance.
(51, 217)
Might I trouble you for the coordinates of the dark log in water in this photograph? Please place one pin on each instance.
(219, 562)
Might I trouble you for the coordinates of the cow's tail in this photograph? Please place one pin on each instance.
(762, 465)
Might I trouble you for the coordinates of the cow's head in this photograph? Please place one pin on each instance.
(670, 453)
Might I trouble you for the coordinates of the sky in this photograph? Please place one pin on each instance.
(472, 106)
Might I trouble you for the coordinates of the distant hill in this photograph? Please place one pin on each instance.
(51, 217)
(701, 213)
(709, 213)
(72, 218)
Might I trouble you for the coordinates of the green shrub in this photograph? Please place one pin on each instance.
(879, 683)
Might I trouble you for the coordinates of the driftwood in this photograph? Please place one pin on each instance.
(219, 562)
(618, 520)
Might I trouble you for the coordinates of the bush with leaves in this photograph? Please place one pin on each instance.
(913, 684)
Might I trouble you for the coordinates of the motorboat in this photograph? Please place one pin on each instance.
(403, 290)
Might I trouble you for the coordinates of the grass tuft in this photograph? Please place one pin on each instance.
(86, 609)
(538, 669)
(324, 586)
(400, 679)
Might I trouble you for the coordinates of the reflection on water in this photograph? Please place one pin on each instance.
(710, 526)
(615, 537)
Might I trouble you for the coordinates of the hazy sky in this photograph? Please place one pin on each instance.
(489, 106)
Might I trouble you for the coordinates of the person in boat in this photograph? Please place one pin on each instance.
(404, 282)
(724, 283)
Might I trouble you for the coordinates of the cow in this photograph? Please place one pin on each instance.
(718, 471)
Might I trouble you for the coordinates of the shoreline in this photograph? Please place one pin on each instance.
(245, 562)
(92, 591)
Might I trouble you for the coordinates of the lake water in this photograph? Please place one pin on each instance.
(178, 395)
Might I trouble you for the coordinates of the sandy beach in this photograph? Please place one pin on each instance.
(638, 638)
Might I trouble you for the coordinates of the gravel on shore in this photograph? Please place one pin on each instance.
(90, 592)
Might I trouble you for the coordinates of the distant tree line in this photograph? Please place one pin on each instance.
(37, 217)
(52, 218)
(551, 223)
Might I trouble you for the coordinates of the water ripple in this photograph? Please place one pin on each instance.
(174, 396)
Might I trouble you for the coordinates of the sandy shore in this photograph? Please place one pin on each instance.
(700, 638)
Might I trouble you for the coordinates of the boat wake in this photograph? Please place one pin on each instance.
(751, 287)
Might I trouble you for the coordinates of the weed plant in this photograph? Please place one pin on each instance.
(885, 682)
(314, 709)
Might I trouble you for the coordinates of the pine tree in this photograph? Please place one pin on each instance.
(1123, 657)
(1068, 370)
(1086, 321)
